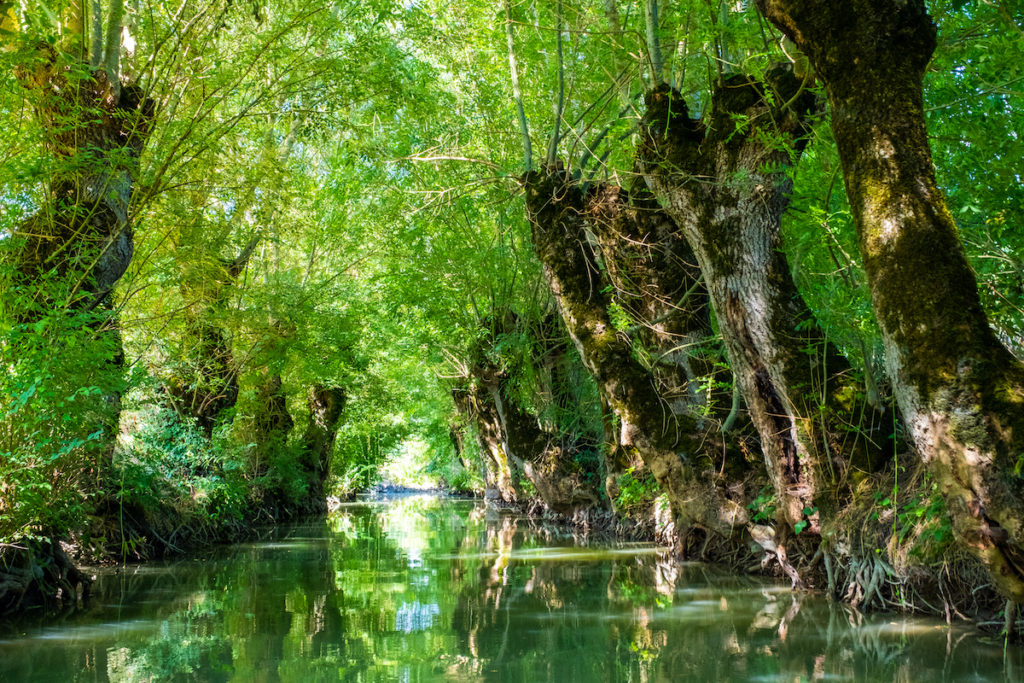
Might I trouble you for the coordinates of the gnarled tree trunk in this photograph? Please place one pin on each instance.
(657, 281)
(95, 130)
(272, 425)
(209, 385)
(665, 442)
(67, 258)
(540, 454)
(960, 391)
(476, 405)
(725, 184)
(325, 407)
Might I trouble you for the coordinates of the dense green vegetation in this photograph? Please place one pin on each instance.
(686, 263)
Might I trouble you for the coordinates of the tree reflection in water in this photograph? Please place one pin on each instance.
(429, 589)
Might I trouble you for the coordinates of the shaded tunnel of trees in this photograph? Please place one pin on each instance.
(744, 274)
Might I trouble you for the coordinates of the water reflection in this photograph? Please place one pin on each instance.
(423, 589)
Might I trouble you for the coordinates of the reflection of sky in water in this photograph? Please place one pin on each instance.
(415, 616)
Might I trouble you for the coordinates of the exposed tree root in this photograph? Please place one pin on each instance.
(864, 560)
(38, 574)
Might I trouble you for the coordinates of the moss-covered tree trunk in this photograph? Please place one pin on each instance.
(325, 407)
(657, 281)
(960, 391)
(457, 437)
(666, 443)
(66, 259)
(272, 425)
(475, 404)
(540, 454)
(724, 181)
(207, 386)
(94, 131)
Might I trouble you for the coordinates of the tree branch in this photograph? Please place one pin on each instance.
(238, 265)
(96, 44)
(560, 104)
(653, 41)
(112, 53)
(517, 93)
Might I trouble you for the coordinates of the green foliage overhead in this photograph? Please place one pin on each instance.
(370, 153)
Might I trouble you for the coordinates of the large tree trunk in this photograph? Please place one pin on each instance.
(540, 454)
(960, 391)
(476, 405)
(520, 445)
(657, 281)
(66, 259)
(96, 132)
(655, 278)
(208, 385)
(272, 425)
(325, 407)
(556, 210)
(727, 187)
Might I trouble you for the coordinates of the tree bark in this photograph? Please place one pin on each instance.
(325, 407)
(724, 181)
(477, 406)
(960, 391)
(208, 385)
(656, 280)
(272, 425)
(84, 232)
(666, 444)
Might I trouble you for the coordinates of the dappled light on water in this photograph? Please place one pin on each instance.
(421, 588)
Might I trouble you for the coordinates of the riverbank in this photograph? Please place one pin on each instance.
(949, 586)
(54, 577)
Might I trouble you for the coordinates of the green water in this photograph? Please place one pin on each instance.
(422, 589)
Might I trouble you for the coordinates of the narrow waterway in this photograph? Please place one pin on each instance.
(421, 588)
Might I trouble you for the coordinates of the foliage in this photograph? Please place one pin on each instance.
(370, 153)
(637, 491)
(763, 506)
(165, 461)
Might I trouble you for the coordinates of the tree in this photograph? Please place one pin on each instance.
(724, 179)
(959, 389)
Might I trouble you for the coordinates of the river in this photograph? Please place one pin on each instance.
(424, 588)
